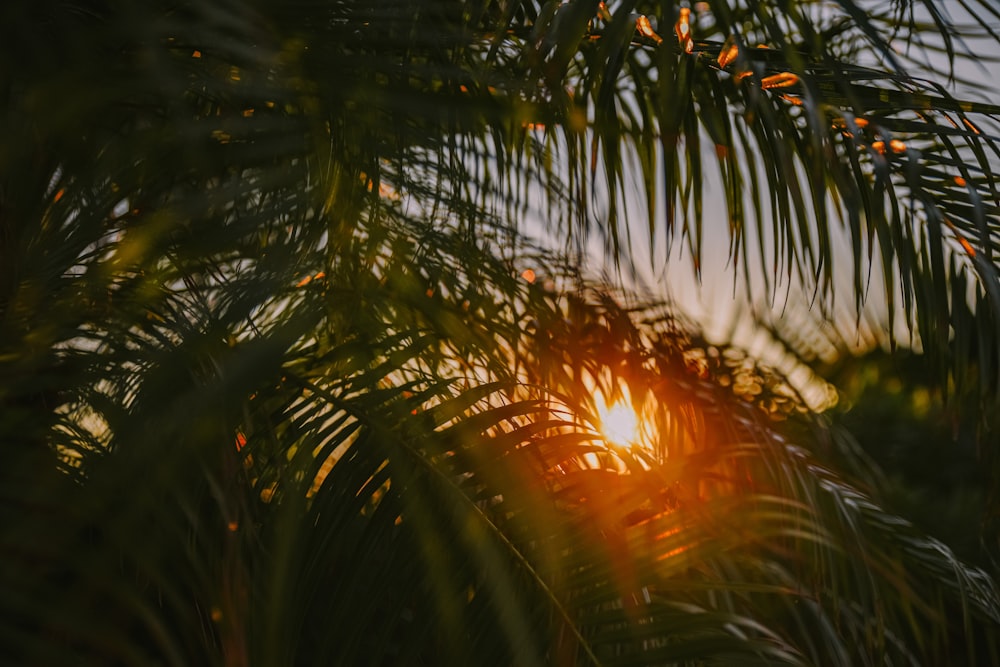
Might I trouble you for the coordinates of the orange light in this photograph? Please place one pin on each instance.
(897, 146)
(782, 80)
(967, 246)
(673, 552)
(727, 56)
(958, 181)
(385, 191)
(528, 275)
(643, 26)
(683, 30)
(841, 124)
(879, 146)
(619, 423)
(196, 54)
(59, 195)
(683, 26)
(670, 532)
(972, 126)
(961, 239)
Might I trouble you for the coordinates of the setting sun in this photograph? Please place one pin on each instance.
(619, 423)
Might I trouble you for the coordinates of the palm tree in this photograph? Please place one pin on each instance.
(286, 381)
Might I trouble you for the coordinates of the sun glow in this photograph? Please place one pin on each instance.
(619, 423)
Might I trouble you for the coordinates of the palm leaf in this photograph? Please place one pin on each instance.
(282, 390)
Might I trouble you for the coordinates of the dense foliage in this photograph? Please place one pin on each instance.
(284, 380)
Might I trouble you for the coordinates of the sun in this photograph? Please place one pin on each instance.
(619, 423)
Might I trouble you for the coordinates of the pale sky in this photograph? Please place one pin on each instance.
(718, 304)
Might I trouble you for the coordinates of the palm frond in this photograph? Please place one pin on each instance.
(281, 386)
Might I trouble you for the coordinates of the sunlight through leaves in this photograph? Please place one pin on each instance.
(618, 421)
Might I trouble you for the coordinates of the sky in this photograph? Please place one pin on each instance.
(718, 302)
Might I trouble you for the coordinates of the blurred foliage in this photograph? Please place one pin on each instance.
(929, 452)
(283, 381)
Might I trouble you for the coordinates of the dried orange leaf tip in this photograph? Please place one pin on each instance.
(645, 28)
(728, 55)
(782, 80)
